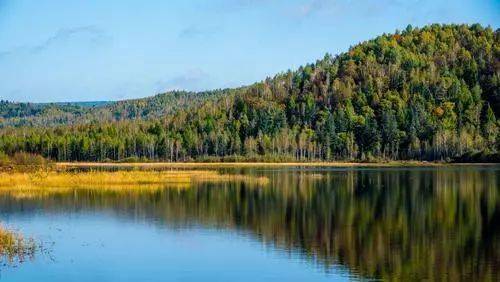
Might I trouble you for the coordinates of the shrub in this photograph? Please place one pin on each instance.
(26, 159)
(4, 159)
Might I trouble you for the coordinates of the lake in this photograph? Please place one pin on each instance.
(305, 224)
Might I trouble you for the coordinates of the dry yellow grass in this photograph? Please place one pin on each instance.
(29, 181)
(13, 247)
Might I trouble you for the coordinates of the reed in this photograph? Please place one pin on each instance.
(14, 247)
(121, 179)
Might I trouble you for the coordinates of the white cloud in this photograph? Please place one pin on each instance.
(192, 80)
(92, 34)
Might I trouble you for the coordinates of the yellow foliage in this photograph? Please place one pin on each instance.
(438, 111)
(14, 247)
(104, 179)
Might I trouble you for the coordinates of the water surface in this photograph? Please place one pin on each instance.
(307, 224)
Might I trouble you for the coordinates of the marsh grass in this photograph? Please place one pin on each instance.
(135, 179)
(14, 248)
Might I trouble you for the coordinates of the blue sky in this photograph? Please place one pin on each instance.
(109, 50)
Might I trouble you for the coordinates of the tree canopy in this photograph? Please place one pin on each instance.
(422, 93)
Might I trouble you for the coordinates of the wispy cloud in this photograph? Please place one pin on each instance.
(93, 35)
(193, 79)
(311, 7)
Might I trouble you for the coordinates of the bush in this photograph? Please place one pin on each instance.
(479, 157)
(131, 160)
(22, 162)
(26, 159)
(4, 159)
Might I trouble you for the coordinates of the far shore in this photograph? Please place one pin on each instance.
(260, 164)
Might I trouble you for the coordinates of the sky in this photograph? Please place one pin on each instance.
(94, 50)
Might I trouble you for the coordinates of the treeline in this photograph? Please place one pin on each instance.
(53, 114)
(429, 93)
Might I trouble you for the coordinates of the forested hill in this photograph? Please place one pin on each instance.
(50, 114)
(423, 93)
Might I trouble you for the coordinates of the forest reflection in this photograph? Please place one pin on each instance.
(392, 224)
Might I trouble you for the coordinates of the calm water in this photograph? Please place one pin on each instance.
(305, 225)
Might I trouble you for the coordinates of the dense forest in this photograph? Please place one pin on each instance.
(50, 114)
(430, 93)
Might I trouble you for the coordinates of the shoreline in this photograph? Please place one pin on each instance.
(261, 164)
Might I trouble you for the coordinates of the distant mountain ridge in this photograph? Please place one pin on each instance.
(84, 104)
(59, 113)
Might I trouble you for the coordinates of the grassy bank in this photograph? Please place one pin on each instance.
(120, 179)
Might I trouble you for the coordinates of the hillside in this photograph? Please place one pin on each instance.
(52, 114)
(424, 93)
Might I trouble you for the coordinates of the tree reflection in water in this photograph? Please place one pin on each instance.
(394, 224)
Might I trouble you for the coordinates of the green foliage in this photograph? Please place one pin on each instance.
(428, 93)
(32, 114)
